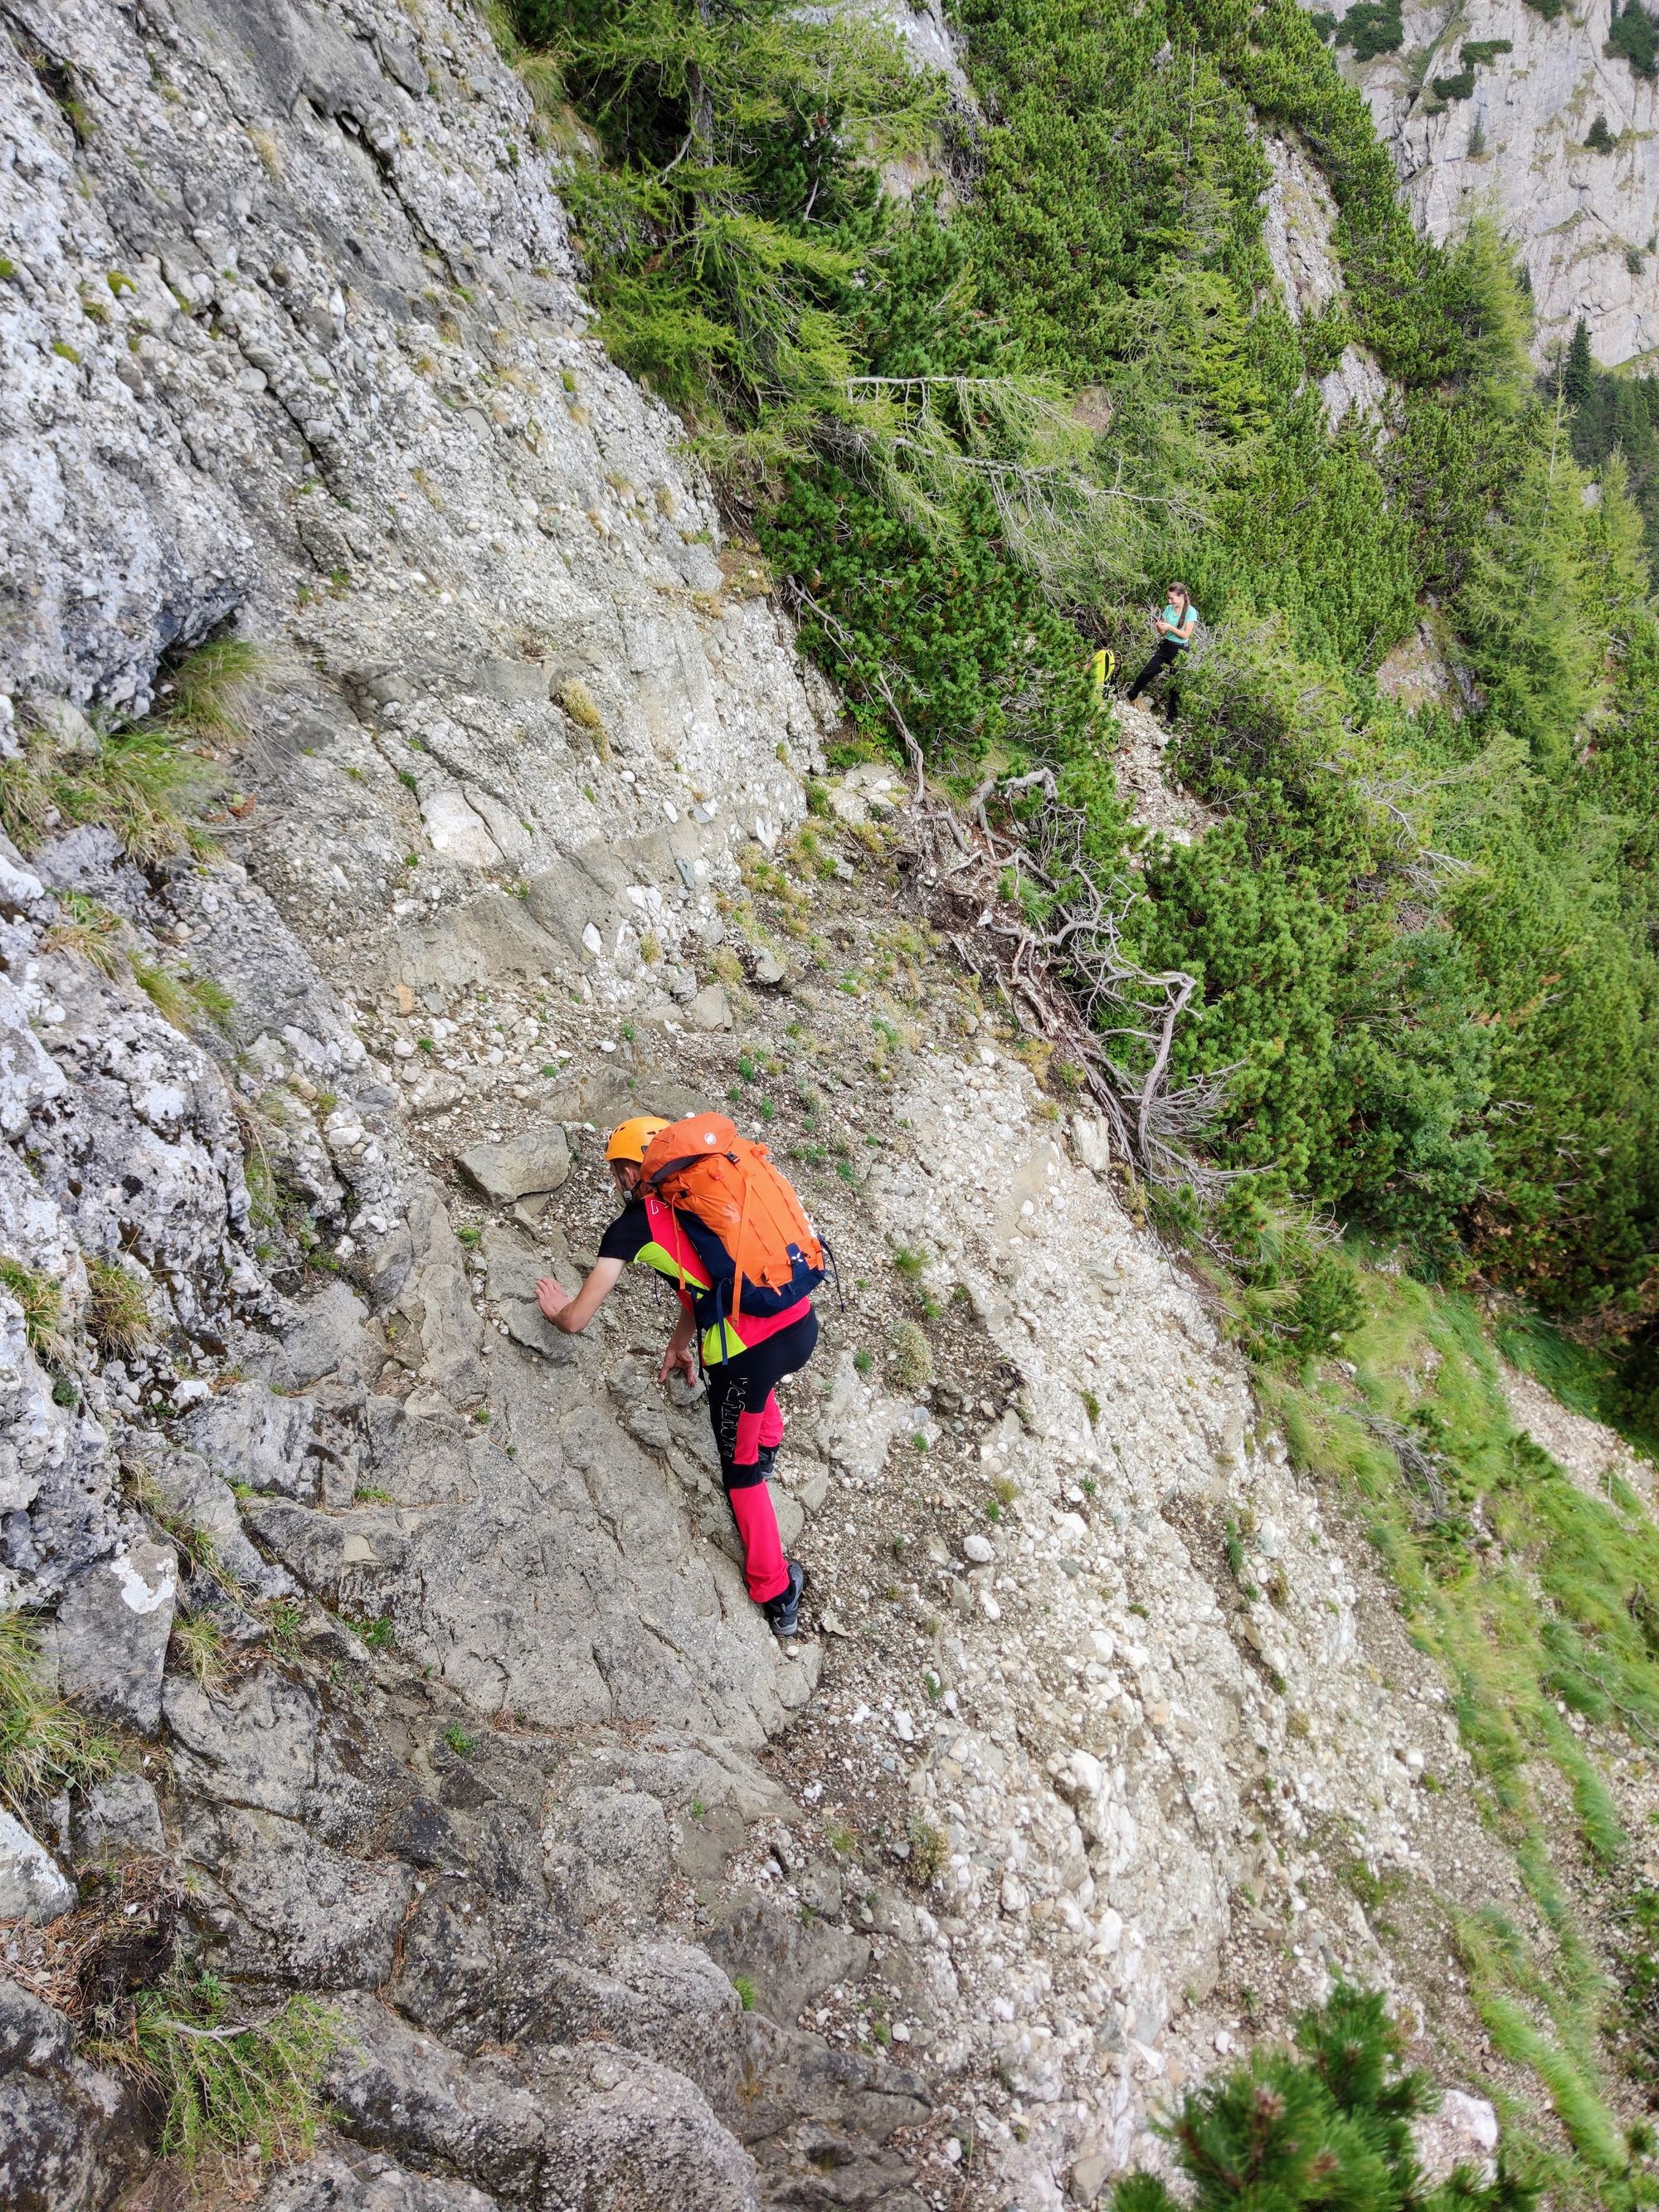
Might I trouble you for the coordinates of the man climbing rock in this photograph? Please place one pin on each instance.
(711, 1213)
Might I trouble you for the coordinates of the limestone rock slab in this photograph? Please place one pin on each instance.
(118, 1819)
(69, 2134)
(401, 2092)
(110, 1639)
(290, 1909)
(525, 1166)
(329, 2183)
(789, 1961)
(33, 1885)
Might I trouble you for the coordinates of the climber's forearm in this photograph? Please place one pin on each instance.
(572, 1314)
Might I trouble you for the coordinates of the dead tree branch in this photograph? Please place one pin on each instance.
(1058, 955)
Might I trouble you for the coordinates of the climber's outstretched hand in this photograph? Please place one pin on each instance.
(680, 1357)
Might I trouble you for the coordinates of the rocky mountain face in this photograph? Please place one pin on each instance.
(432, 1686)
(1493, 108)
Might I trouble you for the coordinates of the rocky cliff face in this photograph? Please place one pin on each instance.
(432, 1687)
(1510, 139)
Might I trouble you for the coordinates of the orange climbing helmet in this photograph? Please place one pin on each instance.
(628, 1140)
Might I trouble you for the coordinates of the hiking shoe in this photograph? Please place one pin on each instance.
(783, 1611)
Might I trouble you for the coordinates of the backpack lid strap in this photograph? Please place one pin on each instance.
(737, 1257)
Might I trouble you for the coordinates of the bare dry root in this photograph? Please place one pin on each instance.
(1067, 976)
(1069, 979)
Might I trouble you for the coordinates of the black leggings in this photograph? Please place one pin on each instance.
(1166, 655)
(740, 1401)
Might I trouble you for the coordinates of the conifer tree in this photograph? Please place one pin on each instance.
(1578, 376)
(1327, 2128)
(1531, 611)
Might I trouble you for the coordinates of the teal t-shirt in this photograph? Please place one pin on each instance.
(1173, 618)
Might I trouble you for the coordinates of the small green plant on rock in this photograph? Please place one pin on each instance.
(930, 1851)
(190, 1003)
(90, 928)
(209, 693)
(140, 781)
(745, 1990)
(282, 1624)
(199, 1642)
(165, 993)
(456, 1737)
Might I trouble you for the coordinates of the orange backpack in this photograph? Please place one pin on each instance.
(733, 1187)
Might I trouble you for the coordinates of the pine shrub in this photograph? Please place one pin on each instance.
(1325, 2125)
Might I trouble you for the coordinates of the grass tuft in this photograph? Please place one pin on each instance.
(211, 690)
(190, 1003)
(42, 1301)
(199, 1642)
(143, 782)
(44, 1743)
(913, 1357)
(90, 929)
(227, 2086)
(117, 1315)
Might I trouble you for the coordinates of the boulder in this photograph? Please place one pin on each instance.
(1462, 2131)
(788, 2073)
(33, 1885)
(435, 1299)
(395, 2090)
(668, 2001)
(328, 2182)
(263, 1741)
(251, 1436)
(633, 2135)
(118, 1819)
(534, 1162)
(110, 1639)
(69, 2137)
(32, 2034)
(192, 1493)
(327, 1334)
(287, 1909)
(711, 1009)
(515, 1267)
(787, 1960)
(612, 1849)
(1092, 1142)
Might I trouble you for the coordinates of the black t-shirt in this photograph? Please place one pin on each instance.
(628, 1235)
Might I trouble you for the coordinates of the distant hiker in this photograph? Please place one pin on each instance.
(708, 1210)
(1175, 627)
